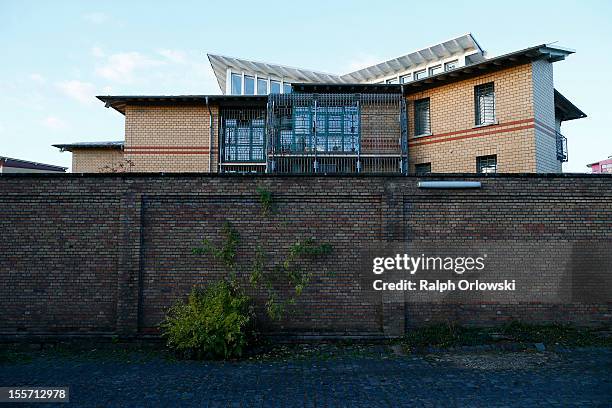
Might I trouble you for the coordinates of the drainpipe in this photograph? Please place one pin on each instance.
(210, 144)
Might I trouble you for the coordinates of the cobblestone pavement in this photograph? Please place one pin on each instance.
(491, 379)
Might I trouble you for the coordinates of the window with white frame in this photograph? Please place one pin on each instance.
(236, 84)
(275, 87)
(435, 70)
(420, 74)
(262, 86)
(392, 81)
(451, 65)
(405, 78)
(249, 85)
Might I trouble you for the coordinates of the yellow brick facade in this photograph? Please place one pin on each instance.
(177, 138)
(98, 161)
(455, 141)
(171, 138)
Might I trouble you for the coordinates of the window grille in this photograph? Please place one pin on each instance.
(484, 100)
(486, 164)
(422, 123)
(243, 135)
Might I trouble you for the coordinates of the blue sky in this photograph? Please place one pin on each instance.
(57, 55)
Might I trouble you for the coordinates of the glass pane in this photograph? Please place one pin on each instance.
(420, 74)
(450, 65)
(405, 78)
(275, 87)
(435, 70)
(262, 86)
(392, 81)
(249, 85)
(286, 88)
(236, 84)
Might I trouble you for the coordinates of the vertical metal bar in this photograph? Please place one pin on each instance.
(314, 136)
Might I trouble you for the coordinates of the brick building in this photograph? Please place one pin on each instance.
(446, 108)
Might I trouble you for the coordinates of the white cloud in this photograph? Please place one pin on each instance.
(53, 122)
(173, 55)
(83, 92)
(121, 67)
(97, 52)
(37, 78)
(96, 17)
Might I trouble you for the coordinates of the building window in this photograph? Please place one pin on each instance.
(236, 84)
(392, 81)
(404, 79)
(262, 86)
(486, 164)
(451, 65)
(435, 70)
(286, 88)
(484, 101)
(249, 85)
(243, 139)
(420, 75)
(275, 87)
(422, 123)
(422, 168)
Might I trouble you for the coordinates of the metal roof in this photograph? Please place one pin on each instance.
(90, 145)
(25, 164)
(118, 102)
(455, 46)
(543, 51)
(565, 109)
(220, 64)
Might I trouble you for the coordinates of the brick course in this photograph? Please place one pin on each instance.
(108, 253)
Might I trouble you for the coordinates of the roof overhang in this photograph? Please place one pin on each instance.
(565, 109)
(221, 63)
(464, 44)
(120, 102)
(545, 52)
(25, 164)
(117, 145)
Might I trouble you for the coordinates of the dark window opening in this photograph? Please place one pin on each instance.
(484, 102)
(486, 164)
(422, 168)
(422, 123)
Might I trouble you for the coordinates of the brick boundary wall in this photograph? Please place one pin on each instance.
(105, 254)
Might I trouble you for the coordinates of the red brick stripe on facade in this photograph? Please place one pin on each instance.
(471, 130)
(471, 135)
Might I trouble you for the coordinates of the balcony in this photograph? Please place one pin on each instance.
(561, 147)
(303, 133)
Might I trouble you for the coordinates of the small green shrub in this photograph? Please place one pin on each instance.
(214, 323)
(265, 199)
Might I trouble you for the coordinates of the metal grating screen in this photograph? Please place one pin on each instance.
(484, 101)
(336, 133)
(243, 135)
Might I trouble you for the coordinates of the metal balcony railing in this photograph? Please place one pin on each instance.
(316, 133)
(336, 133)
(561, 147)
